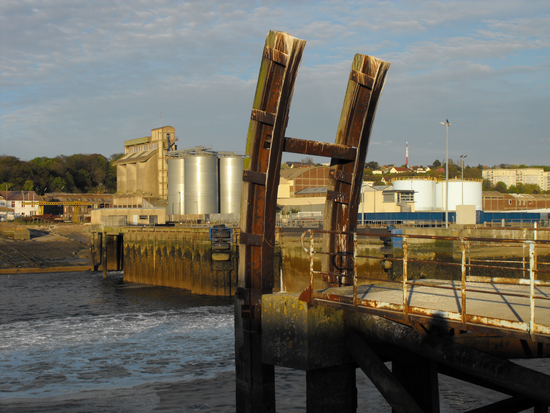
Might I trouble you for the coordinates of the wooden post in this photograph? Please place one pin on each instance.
(104, 254)
(365, 85)
(332, 390)
(280, 61)
(387, 384)
(419, 378)
(92, 253)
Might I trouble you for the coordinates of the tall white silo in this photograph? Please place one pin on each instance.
(201, 184)
(231, 178)
(176, 186)
(424, 192)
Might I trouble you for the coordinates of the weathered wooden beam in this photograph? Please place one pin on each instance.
(314, 148)
(517, 379)
(254, 177)
(388, 386)
(510, 405)
(365, 85)
(279, 67)
(341, 176)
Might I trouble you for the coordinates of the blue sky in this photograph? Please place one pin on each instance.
(84, 76)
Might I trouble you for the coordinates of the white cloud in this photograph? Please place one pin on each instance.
(80, 76)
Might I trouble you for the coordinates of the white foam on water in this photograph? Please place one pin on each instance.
(60, 356)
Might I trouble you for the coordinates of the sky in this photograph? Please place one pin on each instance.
(84, 76)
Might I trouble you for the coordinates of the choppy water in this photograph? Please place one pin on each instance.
(76, 342)
(63, 335)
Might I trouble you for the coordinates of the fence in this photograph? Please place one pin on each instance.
(472, 265)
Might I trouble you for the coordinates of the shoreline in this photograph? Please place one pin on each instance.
(46, 248)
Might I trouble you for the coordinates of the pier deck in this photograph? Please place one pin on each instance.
(488, 306)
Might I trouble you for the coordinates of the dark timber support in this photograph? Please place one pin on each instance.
(419, 377)
(265, 141)
(104, 253)
(513, 378)
(92, 253)
(332, 389)
(365, 85)
(398, 396)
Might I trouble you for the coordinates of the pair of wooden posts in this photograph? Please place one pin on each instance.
(107, 252)
(265, 144)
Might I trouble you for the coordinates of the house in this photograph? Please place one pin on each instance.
(398, 170)
(22, 203)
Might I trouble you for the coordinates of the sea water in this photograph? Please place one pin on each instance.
(75, 338)
(78, 342)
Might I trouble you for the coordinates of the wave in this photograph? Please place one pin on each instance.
(59, 356)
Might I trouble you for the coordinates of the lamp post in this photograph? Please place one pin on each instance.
(462, 159)
(446, 124)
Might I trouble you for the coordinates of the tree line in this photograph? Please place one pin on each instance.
(81, 173)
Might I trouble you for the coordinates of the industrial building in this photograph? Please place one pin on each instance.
(430, 194)
(497, 201)
(143, 170)
(304, 190)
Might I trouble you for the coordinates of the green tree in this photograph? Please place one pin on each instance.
(501, 187)
(28, 186)
(531, 189)
(487, 185)
(58, 184)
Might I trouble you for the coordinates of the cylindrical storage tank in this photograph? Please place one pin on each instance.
(464, 193)
(440, 196)
(176, 186)
(424, 192)
(231, 178)
(201, 184)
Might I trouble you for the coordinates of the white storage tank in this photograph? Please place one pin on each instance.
(460, 193)
(440, 196)
(201, 184)
(176, 186)
(231, 178)
(424, 192)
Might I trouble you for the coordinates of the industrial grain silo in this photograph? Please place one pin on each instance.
(231, 177)
(424, 192)
(176, 186)
(201, 184)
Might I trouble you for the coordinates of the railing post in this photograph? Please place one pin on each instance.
(355, 269)
(405, 278)
(524, 235)
(532, 286)
(463, 283)
(311, 253)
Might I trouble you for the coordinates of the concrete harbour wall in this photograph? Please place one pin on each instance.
(179, 258)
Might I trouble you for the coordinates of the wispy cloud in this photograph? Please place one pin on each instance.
(80, 76)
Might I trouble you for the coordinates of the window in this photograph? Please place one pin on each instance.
(405, 197)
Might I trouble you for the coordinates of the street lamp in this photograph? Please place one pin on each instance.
(446, 124)
(462, 159)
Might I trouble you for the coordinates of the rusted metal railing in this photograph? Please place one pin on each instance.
(532, 273)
